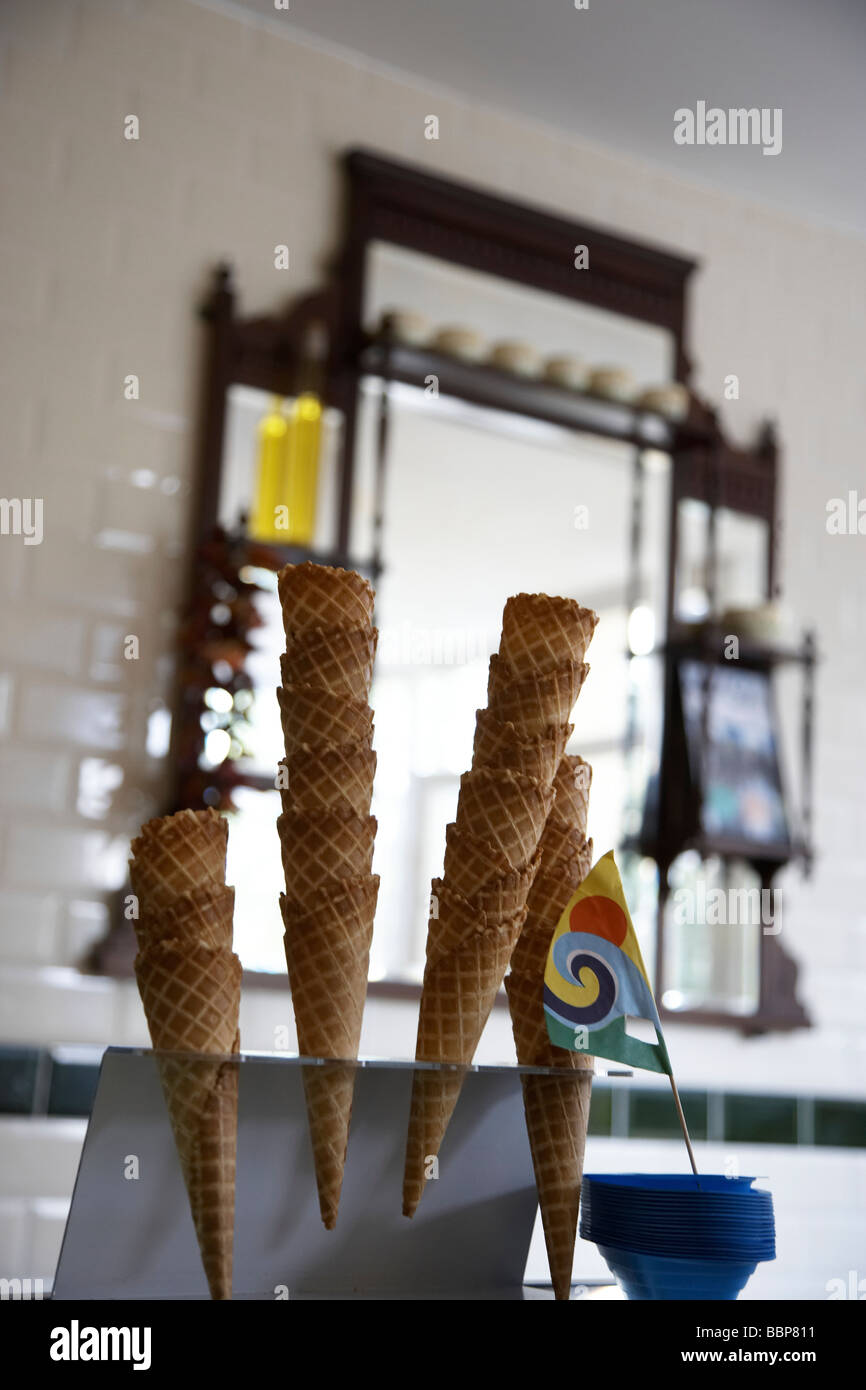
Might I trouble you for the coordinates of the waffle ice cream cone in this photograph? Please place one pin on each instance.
(326, 838)
(499, 744)
(336, 659)
(459, 989)
(182, 825)
(473, 864)
(330, 845)
(331, 904)
(191, 997)
(328, 1094)
(327, 954)
(205, 915)
(492, 852)
(550, 890)
(190, 982)
(571, 787)
(562, 842)
(315, 718)
(202, 1101)
(452, 919)
(178, 854)
(334, 779)
(540, 632)
(507, 895)
(556, 1108)
(505, 808)
(317, 596)
(535, 702)
(557, 1114)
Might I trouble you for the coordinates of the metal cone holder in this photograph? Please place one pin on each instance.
(130, 1234)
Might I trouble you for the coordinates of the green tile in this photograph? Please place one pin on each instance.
(841, 1123)
(760, 1119)
(599, 1111)
(653, 1114)
(73, 1087)
(19, 1068)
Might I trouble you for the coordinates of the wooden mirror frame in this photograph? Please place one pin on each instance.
(404, 206)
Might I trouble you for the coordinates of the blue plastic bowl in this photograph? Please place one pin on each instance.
(648, 1183)
(643, 1276)
(715, 1250)
(676, 1236)
(681, 1231)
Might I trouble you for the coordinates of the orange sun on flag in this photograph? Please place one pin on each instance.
(599, 916)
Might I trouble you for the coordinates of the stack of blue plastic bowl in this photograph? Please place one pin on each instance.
(678, 1236)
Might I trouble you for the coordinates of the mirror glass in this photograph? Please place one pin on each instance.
(478, 504)
(714, 918)
(495, 310)
(741, 560)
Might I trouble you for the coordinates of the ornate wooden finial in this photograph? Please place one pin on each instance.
(767, 441)
(220, 299)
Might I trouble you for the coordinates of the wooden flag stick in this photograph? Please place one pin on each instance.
(685, 1127)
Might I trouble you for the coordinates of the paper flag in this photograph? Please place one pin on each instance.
(595, 976)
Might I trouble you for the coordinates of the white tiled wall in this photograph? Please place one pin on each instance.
(105, 245)
(38, 1160)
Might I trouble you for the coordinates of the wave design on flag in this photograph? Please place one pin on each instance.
(592, 982)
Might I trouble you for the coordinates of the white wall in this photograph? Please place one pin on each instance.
(104, 249)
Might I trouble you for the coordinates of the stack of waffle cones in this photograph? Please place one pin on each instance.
(491, 855)
(557, 1109)
(326, 839)
(190, 984)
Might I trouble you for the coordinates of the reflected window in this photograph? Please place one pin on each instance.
(714, 917)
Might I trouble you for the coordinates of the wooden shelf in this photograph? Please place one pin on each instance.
(748, 1025)
(531, 397)
(725, 847)
(708, 645)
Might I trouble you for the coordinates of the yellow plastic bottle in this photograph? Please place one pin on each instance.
(302, 469)
(271, 473)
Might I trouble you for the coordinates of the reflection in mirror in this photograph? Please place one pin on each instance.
(714, 917)
(741, 560)
(496, 310)
(647, 603)
(692, 591)
(474, 514)
(740, 578)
